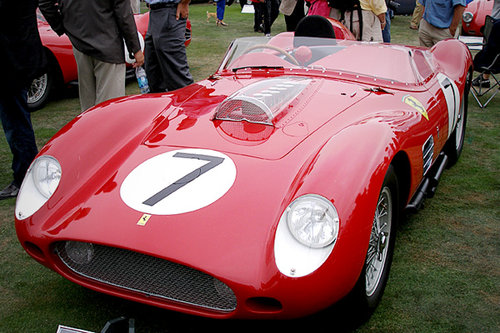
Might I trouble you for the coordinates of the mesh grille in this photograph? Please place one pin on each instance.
(262, 101)
(145, 274)
(248, 109)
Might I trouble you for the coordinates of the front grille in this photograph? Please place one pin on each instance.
(147, 275)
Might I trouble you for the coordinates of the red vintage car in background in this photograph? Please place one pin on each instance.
(271, 189)
(62, 66)
(474, 17)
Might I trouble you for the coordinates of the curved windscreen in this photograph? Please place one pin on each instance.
(285, 51)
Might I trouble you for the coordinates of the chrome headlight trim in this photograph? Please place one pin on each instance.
(467, 17)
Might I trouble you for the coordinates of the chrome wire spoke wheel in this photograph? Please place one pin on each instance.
(378, 247)
(37, 88)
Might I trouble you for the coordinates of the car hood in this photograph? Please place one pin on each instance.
(193, 122)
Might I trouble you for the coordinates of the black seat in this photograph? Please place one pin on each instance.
(313, 26)
(487, 61)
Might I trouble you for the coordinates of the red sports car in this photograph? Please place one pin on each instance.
(62, 65)
(474, 17)
(271, 189)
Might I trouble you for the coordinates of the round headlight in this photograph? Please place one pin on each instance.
(79, 252)
(46, 175)
(467, 17)
(40, 182)
(313, 221)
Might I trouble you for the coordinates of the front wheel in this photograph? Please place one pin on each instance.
(370, 286)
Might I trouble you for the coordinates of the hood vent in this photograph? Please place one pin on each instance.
(261, 102)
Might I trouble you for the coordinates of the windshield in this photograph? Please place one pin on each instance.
(287, 52)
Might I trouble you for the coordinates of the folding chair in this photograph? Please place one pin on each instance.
(487, 61)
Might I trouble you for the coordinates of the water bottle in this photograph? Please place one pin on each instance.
(142, 80)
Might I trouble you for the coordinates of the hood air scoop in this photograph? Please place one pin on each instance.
(262, 101)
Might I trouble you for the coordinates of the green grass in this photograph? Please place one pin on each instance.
(445, 276)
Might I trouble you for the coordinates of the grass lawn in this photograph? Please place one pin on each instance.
(446, 270)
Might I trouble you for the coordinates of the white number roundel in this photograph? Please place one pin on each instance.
(178, 182)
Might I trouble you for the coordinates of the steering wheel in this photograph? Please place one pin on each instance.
(275, 48)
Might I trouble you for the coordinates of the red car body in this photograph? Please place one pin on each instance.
(474, 17)
(63, 68)
(247, 144)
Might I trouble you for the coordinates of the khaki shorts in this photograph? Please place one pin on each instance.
(372, 30)
(428, 35)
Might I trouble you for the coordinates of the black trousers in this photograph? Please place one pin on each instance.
(165, 53)
(16, 122)
(294, 18)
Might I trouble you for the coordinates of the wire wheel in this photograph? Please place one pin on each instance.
(39, 90)
(378, 247)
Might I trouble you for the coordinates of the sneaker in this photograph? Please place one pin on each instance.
(10, 191)
(481, 82)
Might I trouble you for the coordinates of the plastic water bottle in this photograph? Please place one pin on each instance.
(142, 79)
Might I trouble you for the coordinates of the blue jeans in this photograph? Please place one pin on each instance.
(16, 122)
(386, 33)
(221, 7)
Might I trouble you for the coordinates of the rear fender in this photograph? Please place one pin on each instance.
(454, 59)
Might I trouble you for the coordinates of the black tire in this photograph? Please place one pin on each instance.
(39, 91)
(455, 144)
(370, 286)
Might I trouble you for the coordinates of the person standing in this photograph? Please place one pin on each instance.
(165, 52)
(440, 21)
(369, 26)
(96, 29)
(389, 14)
(270, 11)
(221, 8)
(417, 15)
(258, 15)
(23, 59)
(293, 10)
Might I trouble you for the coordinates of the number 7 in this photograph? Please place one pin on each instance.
(213, 161)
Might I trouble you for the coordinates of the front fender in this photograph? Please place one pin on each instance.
(349, 171)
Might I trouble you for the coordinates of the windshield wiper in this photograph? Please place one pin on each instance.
(257, 67)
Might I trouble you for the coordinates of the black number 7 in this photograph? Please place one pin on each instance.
(213, 161)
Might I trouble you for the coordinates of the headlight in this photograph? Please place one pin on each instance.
(39, 184)
(306, 235)
(467, 17)
(313, 221)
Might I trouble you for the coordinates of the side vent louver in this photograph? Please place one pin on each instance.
(428, 153)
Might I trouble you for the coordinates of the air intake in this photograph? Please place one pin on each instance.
(146, 275)
(261, 102)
